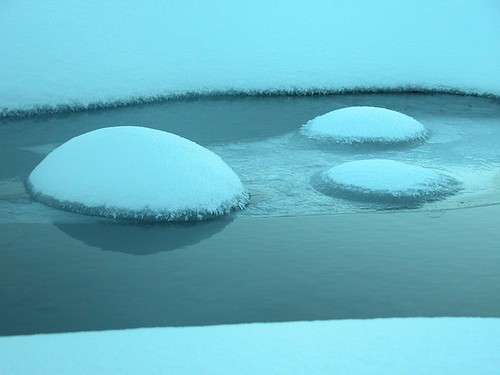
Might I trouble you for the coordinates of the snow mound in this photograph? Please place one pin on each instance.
(386, 180)
(137, 173)
(365, 125)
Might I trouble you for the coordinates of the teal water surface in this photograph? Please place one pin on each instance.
(294, 254)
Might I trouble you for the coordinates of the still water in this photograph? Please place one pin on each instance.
(294, 254)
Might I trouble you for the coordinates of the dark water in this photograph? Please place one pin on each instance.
(70, 273)
(57, 278)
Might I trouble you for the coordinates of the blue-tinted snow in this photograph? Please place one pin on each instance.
(74, 53)
(459, 346)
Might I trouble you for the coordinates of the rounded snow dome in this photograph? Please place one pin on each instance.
(361, 124)
(387, 180)
(137, 173)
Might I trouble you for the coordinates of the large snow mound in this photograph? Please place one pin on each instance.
(362, 124)
(68, 54)
(430, 346)
(137, 173)
(387, 180)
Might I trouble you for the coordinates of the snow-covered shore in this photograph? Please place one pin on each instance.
(382, 346)
(72, 55)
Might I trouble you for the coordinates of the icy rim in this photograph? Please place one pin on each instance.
(368, 141)
(77, 106)
(238, 202)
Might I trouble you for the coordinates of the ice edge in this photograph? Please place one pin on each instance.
(76, 106)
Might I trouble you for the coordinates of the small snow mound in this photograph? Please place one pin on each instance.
(365, 125)
(386, 181)
(137, 173)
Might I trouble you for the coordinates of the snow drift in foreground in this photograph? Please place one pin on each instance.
(387, 180)
(436, 346)
(363, 124)
(76, 54)
(137, 173)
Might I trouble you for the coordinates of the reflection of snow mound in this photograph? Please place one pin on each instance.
(142, 239)
(386, 180)
(365, 125)
(137, 173)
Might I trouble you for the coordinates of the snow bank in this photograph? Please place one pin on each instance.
(137, 173)
(72, 54)
(365, 125)
(459, 346)
(387, 180)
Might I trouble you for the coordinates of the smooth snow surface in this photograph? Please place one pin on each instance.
(365, 125)
(137, 173)
(71, 54)
(458, 346)
(375, 179)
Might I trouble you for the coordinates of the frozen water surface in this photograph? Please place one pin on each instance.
(260, 139)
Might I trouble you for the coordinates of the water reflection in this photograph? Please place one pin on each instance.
(142, 239)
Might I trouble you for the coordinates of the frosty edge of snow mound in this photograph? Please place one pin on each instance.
(139, 174)
(361, 124)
